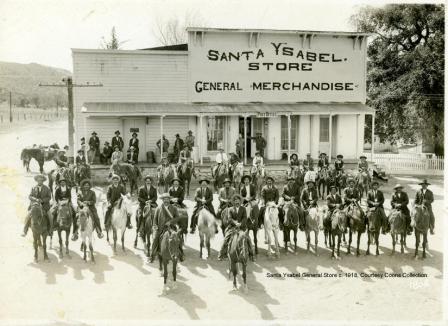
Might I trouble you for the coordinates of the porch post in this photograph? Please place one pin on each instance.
(330, 130)
(201, 140)
(288, 116)
(85, 137)
(161, 137)
(373, 137)
(245, 139)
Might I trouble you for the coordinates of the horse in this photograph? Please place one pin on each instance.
(169, 250)
(295, 172)
(258, 175)
(219, 173)
(341, 181)
(271, 226)
(252, 213)
(314, 222)
(38, 154)
(398, 227)
(56, 174)
(185, 172)
(373, 229)
(238, 252)
(362, 183)
(64, 223)
(165, 174)
(148, 215)
(133, 175)
(420, 223)
(207, 229)
(291, 223)
(85, 223)
(81, 173)
(39, 226)
(356, 223)
(238, 172)
(322, 182)
(118, 221)
(338, 224)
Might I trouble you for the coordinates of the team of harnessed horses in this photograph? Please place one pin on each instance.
(355, 219)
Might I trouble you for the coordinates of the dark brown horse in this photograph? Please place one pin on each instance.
(397, 222)
(322, 182)
(374, 224)
(238, 252)
(38, 154)
(169, 251)
(64, 223)
(148, 215)
(39, 226)
(253, 214)
(338, 224)
(185, 172)
(291, 223)
(420, 223)
(356, 224)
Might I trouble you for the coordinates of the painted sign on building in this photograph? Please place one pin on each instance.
(276, 67)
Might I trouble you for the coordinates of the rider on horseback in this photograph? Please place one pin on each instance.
(147, 194)
(291, 194)
(164, 217)
(62, 194)
(351, 197)
(81, 161)
(177, 193)
(221, 158)
(247, 190)
(42, 194)
(269, 193)
(309, 195)
(323, 161)
(375, 201)
(258, 161)
(114, 193)
(203, 198)
(237, 221)
(334, 201)
(60, 159)
(400, 201)
(339, 164)
(363, 166)
(425, 197)
(87, 197)
(308, 162)
(225, 196)
(184, 158)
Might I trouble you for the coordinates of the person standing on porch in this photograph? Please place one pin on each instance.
(240, 147)
(189, 140)
(165, 146)
(133, 142)
(260, 143)
(178, 146)
(118, 141)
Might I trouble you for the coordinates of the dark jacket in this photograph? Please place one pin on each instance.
(132, 157)
(62, 195)
(44, 195)
(163, 215)
(179, 194)
(308, 162)
(238, 215)
(291, 191)
(339, 165)
(270, 194)
(88, 196)
(114, 193)
(134, 142)
(80, 160)
(426, 199)
(178, 144)
(371, 198)
(322, 162)
(145, 194)
(117, 141)
(207, 194)
(402, 200)
(94, 142)
(305, 198)
(351, 194)
(332, 202)
(252, 192)
(107, 151)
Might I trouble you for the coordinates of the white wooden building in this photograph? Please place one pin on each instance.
(308, 87)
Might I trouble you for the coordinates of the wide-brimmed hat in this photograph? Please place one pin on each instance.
(134, 134)
(227, 180)
(339, 156)
(116, 146)
(83, 182)
(94, 133)
(165, 195)
(244, 177)
(80, 151)
(349, 180)
(293, 154)
(148, 177)
(190, 132)
(62, 151)
(83, 138)
(270, 178)
(175, 179)
(106, 143)
(257, 153)
(40, 176)
(333, 187)
(237, 196)
(375, 183)
(398, 186)
(308, 154)
(176, 135)
(424, 182)
(363, 156)
(204, 179)
(117, 132)
(115, 176)
(62, 179)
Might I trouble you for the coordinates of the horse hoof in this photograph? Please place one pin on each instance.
(36, 260)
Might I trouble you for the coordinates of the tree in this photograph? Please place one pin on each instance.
(173, 31)
(113, 43)
(405, 71)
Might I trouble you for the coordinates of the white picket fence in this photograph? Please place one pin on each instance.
(409, 162)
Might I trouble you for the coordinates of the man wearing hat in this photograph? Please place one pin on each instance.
(134, 142)
(87, 198)
(334, 201)
(425, 197)
(189, 140)
(260, 143)
(42, 194)
(308, 162)
(81, 160)
(339, 163)
(60, 159)
(178, 146)
(203, 198)
(117, 141)
(106, 155)
(63, 194)
(117, 155)
(132, 156)
(294, 161)
(269, 193)
(94, 144)
(309, 196)
(351, 195)
(114, 192)
(375, 201)
(83, 142)
(184, 157)
(400, 201)
(177, 193)
(225, 195)
(291, 194)
(247, 189)
(166, 144)
(239, 146)
(237, 221)
(147, 195)
(165, 216)
(258, 161)
(363, 166)
(323, 161)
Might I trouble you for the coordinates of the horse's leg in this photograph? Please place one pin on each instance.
(349, 240)
(277, 245)
(208, 246)
(417, 243)
(165, 272)
(92, 258)
(67, 236)
(255, 231)
(234, 272)
(332, 246)
(401, 243)
(201, 244)
(60, 243)
(368, 241)
(174, 272)
(393, 243)
(315, 242)
(295, 239)
(44, 246)
(425, 241)
(339, 245)
(377, 242)
(244, 266)
(136, 231)
(358, 242)
(83, 248)
(122, 240)
(35, 248)
(115, 239)
(160, 264)
(285, 235)
(308, 240)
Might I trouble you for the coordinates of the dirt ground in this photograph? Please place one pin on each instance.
(127, 287)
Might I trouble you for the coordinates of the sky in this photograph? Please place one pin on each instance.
(44, 31)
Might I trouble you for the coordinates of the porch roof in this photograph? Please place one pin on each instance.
(240, 109)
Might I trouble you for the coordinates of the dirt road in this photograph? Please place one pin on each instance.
(126, 287)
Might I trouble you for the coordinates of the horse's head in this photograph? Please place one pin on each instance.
(125, 203)
(83, 217)
(339, 220)
(36, 209)
(174, 239)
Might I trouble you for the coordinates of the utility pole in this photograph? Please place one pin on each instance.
(10, 107)
(68, 82)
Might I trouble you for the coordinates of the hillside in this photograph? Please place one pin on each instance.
(23, 80)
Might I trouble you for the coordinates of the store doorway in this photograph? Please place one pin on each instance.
(248, 134)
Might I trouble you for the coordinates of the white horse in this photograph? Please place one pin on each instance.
(119, 218)
(85, 224)
(314, 222)
(271, 227)
(207, 229)
(238, 174)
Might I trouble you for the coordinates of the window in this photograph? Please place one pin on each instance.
(284, 135)
(258, 126)
(324, 134)
(215, 132)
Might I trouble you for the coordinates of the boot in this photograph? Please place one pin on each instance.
(431, 230)
(100, 234)
(181, 254)
(128, 222)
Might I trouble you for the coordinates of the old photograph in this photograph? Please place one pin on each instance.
(278, 162)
